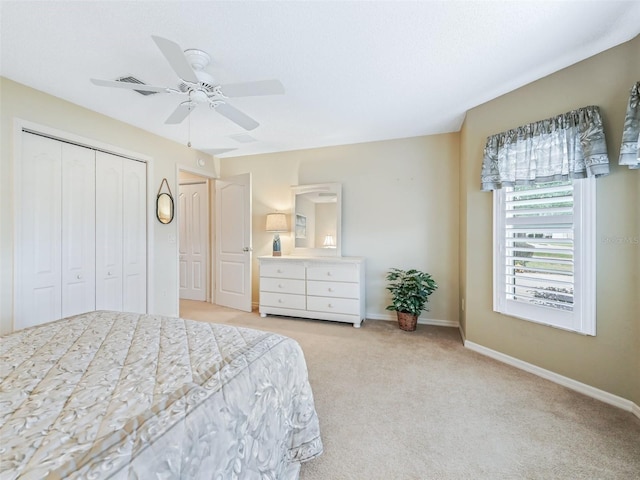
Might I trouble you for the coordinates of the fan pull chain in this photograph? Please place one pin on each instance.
(189, 124)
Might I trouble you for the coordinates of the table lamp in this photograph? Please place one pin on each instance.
(276, 223)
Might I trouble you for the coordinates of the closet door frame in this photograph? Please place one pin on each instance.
(20, 125)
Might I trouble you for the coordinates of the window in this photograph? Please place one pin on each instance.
(544, 253)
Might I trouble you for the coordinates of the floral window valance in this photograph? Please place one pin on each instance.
(630, 149)
(571, 145)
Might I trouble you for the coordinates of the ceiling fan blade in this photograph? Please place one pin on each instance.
(236, 116)
(250, 89)
(175, 56)
(129, 86)
(180, 113)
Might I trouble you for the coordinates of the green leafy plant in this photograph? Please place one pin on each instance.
(410, 290)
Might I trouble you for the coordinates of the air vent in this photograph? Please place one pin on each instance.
(135, 80)
(243, 138)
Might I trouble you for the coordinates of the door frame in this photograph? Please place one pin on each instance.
(19, 126)
(210, 177)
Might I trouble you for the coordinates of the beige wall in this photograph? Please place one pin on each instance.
(400, 208)
(611, 360)
(19, 101)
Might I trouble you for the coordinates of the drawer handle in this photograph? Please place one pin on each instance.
(328, 274)
(330, 289)
(280, 300)
(279, 271)
(330, 306)
(280, 285)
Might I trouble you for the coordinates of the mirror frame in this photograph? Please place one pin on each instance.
(162, 219)
(318, 187)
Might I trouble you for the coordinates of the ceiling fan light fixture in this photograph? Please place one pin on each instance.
(199, 96)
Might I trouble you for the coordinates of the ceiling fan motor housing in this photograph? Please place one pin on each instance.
(197, 58)
(198, 61)
(205, 82)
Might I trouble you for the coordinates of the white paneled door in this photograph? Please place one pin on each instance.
(39, 220)
(120, 234)
(78, 230)
(109, 232)
(194, 240)
(134, 245)
(233, 242)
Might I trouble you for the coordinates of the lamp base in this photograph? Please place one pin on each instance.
(277, 251)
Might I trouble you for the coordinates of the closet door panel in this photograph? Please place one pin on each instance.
(134, 250)
(39, 232)
(78, 230)
(109, 232)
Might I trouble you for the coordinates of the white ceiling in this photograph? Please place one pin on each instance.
(353, 71)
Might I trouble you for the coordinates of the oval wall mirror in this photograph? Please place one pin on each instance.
(164, 208)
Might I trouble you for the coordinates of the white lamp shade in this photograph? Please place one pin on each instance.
(276, 222)
(329, 241)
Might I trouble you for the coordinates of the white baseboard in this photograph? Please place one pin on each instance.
(421, 321)
(393, 318)
(583, 388)
(464, 338)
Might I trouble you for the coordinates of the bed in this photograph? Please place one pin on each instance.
(121, 395)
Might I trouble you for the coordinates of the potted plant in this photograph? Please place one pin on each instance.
(410, 290)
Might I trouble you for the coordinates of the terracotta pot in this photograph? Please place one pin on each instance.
(407, 321)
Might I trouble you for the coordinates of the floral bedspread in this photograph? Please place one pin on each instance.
(120, 395)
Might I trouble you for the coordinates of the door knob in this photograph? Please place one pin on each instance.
(246, 249)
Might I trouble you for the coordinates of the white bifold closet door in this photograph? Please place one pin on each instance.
(78, 230)
(121, 242)
(56, 237)
(81, 219)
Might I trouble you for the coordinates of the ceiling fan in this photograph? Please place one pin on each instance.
(199, 86)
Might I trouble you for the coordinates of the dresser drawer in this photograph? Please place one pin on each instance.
(282, 270)
(282, 300)
(346, 306)
(282, 285)
(333, 289)
(333, 273)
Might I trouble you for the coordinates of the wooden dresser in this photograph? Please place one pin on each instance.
(324, 288)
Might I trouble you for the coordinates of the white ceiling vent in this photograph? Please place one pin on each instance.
(130, 79)
(243, 138)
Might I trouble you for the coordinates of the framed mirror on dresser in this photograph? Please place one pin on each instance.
(315, 281)
(316, 220)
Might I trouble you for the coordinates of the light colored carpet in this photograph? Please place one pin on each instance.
(418, 405)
